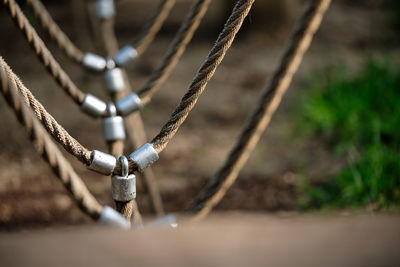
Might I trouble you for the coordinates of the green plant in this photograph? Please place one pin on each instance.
(360, 118)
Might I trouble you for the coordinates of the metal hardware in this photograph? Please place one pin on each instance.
(123, 187)
(102, 162)
(110, 63)
(144, 156)
(113, 126)
(104, 9)
(124, 166)
(111, 217)
(125, 55)
(168, 220)
(93, 106)
(128, 104)
(94, 62)
(114, 80)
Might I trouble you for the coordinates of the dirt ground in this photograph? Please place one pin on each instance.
(30, 196)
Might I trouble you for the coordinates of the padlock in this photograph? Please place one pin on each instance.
(104, 9)
(113, 126)
(114, 80)
(123, 187)
(125, 55)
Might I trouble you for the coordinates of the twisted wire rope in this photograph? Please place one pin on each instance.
(260, 117)
(55, 32)
(175, 49)
(45, 56)
(204, 74)
(10, 89)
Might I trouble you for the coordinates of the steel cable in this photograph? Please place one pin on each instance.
(43, 53)
(203, 75)
(175, 50)
(49, 25)
(10, 88)
(269, 101)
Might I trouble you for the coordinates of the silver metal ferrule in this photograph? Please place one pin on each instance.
(168, 221)
(114, 80)
(104, 9)
(111, 217)
(125, 55)
(123, 188)
(128, 104)
(93, 106)
(102, 162)
(113, 126)
(144, 156)
(94, 62)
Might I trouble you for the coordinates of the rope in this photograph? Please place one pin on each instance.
(175, 50)
(10, 88)
(56, 130)
(43, 53)
(154, 25)
(204, 74)
(261, 115)
(55, 32)
(149, 31)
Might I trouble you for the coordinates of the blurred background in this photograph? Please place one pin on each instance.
(332, 145)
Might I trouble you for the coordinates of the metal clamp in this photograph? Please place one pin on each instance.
(144, 156)
(111, 217)
(94, 62)
(93, 106)
(113, 126)
(102, 162)
(123, 187)
(114, 80)
(104, 9)
(168, 221)
(125, 55)
(128, 104)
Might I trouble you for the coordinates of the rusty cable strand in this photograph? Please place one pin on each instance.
(49, 25)
(269, 101)
(9, 85)
(175, 50)
(45, 56)
(204, 74)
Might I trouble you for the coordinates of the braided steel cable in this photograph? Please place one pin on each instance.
(260, 117)
(51, 125)
(153, 26)
(150, 30)
(204, 74)
(49, 25)
(10, 89)
(175, 50)
(43, 53)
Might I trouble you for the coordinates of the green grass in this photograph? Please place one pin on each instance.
(359, 118)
